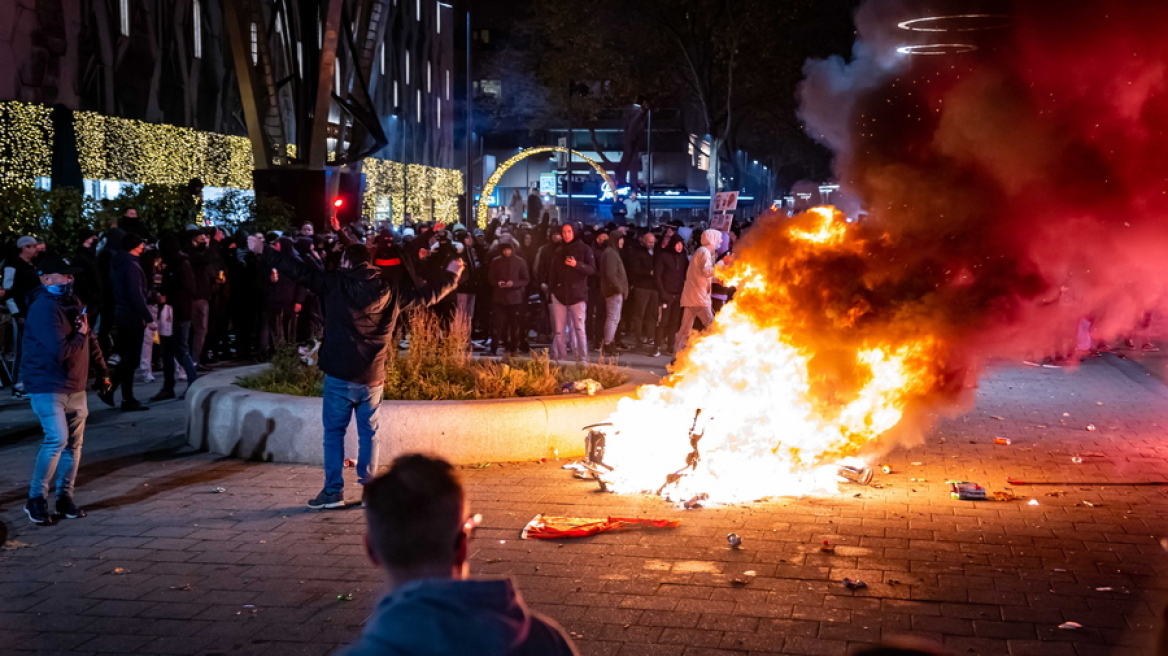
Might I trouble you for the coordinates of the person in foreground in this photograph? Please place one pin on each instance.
(418, 533)
(359, 308)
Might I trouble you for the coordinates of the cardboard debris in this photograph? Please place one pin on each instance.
(551, 527)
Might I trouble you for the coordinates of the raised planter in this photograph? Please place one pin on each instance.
(223, 417)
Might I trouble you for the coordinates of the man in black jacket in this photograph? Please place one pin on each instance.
(508, 278)
(669, 270)
(20, 279)
(131, 316)
(359, 307)
(58, 349)
(641, 315)
(569, 268)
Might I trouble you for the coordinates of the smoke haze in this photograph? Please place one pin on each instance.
(1020, 187)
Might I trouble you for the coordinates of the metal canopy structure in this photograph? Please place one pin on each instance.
(305, 69)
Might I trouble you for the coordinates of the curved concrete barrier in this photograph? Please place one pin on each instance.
(223, 417)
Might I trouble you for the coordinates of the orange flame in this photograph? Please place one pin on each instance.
(785, 386)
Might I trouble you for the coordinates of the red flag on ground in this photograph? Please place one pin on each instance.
(549, 527)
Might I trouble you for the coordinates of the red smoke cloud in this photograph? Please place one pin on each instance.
(1021, 187)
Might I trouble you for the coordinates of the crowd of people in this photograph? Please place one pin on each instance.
(180, 303)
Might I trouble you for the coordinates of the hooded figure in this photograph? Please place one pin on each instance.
(695, 297)
(571, 264)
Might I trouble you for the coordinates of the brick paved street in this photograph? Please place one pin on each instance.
(164, 565)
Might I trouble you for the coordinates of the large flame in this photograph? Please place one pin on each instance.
(791, 380)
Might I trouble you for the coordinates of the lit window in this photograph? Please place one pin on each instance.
(429, 76)
(197, 20)
(448, 84)
(439, 113)
(255, 44)
(407, 67)
(419, 105)
(124, 7)
(396, 94)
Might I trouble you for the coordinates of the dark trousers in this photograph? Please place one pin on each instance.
(245, 323)
(177, 347)
(507, 324)
(128, 345)
(642, 314)
(279, 327)
(670, 321)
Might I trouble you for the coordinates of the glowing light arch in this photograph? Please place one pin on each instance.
(493, 181)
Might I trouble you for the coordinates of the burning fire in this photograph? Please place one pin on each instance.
(794, 378)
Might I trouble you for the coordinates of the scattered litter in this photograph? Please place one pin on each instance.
(185, 587)
(1070, 625)
(1005, 495)
(1088, 504)
(828, 547)
(696, 502)
(966, 491)
(1056, 493)
(1164, 544)
(893, 581)
(1002, 440)
(1059, 569)
(219, 490)
(1077, 460)
(586, 386)
(482, 465)
(120, 570)
(263, 541)
(249, 605)
(854, 584)
(13, 545)
(1103, 589)
(550, 527)
(997, 417)
(1032, 502)
(750, 572)
(1098, 403)
(738, 583)
(345, 597)
(734, 540)
(886, 469)
(1090, 427)
(1092, 454)
(917, 464)
(574, 466)
(1066, 414)
(349, 462)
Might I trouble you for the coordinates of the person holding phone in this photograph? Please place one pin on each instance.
(58, 349)
(571, 264)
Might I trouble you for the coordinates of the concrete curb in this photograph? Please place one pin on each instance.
(225, 418)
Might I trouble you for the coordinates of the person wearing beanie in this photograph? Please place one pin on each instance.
(131, 316)
(508, 278)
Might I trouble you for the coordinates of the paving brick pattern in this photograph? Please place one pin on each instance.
(165, 565)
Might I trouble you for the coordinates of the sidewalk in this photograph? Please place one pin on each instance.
(164, 564)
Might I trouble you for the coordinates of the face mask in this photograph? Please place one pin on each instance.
(60, 290)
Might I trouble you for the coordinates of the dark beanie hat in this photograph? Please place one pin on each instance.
(130, 242)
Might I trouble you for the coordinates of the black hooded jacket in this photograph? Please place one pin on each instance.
(569, 285)
(358, 309)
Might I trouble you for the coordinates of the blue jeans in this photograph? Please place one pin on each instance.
(63, 420)
(341, 400)
(176, 347)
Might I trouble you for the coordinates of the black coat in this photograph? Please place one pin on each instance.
(359, 307)
(513, 269)
(177, 281)
(129, 287)
(569, 285)
(88, 282)
(639, 265)
(669, 272)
